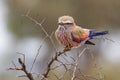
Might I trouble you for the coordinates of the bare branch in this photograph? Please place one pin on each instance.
(23, 68)
(62, 64)
(52, 61)
(76, 64)
(39, 24)
(82, 74)
(50, 37)
(22, 55)
(35, 58)
(13, 63)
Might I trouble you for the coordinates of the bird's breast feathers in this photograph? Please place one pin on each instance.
(64, 37)
(71, 37)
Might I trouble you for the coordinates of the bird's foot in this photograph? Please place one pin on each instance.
(67, 48)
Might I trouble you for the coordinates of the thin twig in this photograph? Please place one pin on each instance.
(82, 74)
(35, 58)
(22, 55)
(62, 64)
(50, 37)
(23, 68)
(76, 64)
(36, 22)
(13, 64)
(52, 61)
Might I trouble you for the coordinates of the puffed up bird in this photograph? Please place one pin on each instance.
(70, 35)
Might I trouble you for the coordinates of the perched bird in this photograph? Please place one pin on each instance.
(70, 35)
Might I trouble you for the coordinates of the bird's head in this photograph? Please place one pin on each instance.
(66, 21)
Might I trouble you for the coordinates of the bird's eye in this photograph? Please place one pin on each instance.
(62, 24)
(69, 23)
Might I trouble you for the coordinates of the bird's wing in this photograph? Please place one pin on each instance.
(79, 34)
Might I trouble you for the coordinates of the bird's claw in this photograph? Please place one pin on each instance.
(67, 48)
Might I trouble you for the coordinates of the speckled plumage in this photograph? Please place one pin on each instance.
(70, 35)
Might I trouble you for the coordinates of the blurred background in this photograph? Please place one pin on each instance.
(20, 34)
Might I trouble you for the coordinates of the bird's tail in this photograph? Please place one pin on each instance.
(94, 34)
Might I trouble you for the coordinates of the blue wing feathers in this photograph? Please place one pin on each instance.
(93, 34)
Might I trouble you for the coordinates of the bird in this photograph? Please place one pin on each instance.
(71, 35)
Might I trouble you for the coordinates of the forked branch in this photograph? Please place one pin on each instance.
(23, 68)
(52, 61)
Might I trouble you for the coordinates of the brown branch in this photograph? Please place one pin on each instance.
(23, 68)
(52, 61)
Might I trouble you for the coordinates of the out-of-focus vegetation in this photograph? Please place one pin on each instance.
(90, 14)
(96, 14)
